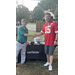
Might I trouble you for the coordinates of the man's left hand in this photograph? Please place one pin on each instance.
(55, 43)
(26, 44)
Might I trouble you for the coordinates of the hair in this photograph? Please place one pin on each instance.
(48, 14)
(23, 20)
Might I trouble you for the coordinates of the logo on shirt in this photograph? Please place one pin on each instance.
(51, 23)
(47, 29)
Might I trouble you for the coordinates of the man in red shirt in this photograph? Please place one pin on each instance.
(50, 31)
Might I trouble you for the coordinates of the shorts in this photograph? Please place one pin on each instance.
(49, 49)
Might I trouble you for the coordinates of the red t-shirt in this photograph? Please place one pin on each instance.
(50, 30)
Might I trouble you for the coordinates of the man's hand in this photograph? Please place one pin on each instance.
(26, 44)
(35, 35)
(55, 43)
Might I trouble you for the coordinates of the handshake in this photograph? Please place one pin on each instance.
(34, 35)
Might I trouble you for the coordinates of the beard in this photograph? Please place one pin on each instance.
(48, 20)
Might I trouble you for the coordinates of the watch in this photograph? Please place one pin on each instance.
(56, 40)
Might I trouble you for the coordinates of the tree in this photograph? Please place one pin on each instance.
(22, 12)
(38, 13)
(48, 4)
(56, 13)
(19, 2)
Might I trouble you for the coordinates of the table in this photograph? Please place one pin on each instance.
(34, 52)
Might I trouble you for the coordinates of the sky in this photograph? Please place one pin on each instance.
(30, 4)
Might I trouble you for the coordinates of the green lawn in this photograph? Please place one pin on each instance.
(31, 24)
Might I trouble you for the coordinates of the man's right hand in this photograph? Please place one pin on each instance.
(39, 34)
(35, 35)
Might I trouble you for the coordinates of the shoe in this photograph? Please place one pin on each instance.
(46, 64)
(50, 68)
(24, 64)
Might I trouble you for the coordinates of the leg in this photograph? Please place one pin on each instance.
(46, 52)
(18, 47)
(48, 60)
(51, 59)
(47, 55)
(23, 54)
(51, 51)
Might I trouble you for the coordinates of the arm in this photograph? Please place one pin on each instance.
(22, 32)
(56, 31)
(26, 34)
(39, 34)
(56, 38)
(29, 35)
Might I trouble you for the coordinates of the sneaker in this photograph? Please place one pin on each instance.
(50, 68)
(46, 64)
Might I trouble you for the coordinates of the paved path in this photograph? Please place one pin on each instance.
(31, 27)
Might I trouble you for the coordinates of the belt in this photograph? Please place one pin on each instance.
(21, 42)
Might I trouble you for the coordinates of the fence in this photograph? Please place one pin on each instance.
(39, 25)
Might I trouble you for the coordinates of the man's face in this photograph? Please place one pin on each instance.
(48, 18)
(24, 23)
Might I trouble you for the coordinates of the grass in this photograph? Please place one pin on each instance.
(36, 67)
(31, 38)
(31, 24)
